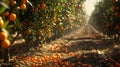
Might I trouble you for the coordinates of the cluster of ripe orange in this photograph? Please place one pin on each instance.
(116, 10)
(54, 60)
(36, 61)
(5, 43)
(11, 16)
(22, 5)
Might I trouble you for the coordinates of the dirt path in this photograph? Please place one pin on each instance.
(68, 48)
(73, 45)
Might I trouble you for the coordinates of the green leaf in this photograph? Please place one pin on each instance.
(2, 9)
(6, 23)
(59, 8)
(4, 4)
(62, 1)
(10, 26)
(17, 23)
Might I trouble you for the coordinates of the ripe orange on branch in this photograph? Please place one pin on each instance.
(43, 6)
(5, 43)
(12, 17)
(28, 31)
(21, 24)
(114, 1)
(23, 6)
(116, 13)
(61, 28)
(24, 1)
(49, 34)
(13, 2)
(117, 27)
(39, 32)
(1, 22)
(113, 7)
(3, 35)
(6, 13)
(58, 19)
(36, 10)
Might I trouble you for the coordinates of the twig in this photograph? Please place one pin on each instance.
(15, 38)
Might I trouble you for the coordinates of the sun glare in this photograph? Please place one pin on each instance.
(89, 6)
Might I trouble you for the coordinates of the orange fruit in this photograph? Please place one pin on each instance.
(5, 43)
(13, 2)
(113, 1)
(58, 19)
(21, 24)
(42, 45)
(39, 32)
(117, 27)
(43, 38)
(117, 64)
(6, 13)
(90, 65)
(3, 35)
(28, 31)
(1, 22)
(84, 65)
(23, 6)
(116, 13)
(49, 34)
(24, 1)
(112, 65)
(107, 25)
(53, 21)
(43, 6)
(78, 57)
(33, 65)
(61, 28)
(117, 7)
(70, 54)
(79, 63)
(47, 30)
(67, 63)
(43, 15)
(72, 65)
(65, 50)
(113, 7)
(36, 10)
(12, 17)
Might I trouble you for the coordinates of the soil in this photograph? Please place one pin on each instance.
(93, 51)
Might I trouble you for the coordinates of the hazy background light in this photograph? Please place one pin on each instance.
(89, 6)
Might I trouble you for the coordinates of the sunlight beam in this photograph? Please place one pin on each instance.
(89, 6)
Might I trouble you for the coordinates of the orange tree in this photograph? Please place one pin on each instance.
(115, 19)
(4, 36)
(45, 20)
(38, 21)
(65, 16)
(109, 12)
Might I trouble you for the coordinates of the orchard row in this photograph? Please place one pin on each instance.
(40, 19)
(106, 18)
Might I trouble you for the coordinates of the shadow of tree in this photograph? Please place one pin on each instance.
(88, 44)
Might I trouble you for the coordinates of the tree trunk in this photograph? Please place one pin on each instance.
(5, 54)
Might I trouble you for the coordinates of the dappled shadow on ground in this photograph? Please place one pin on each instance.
(90, 44)
(73, 50)
(97, 60)
(84, 44)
